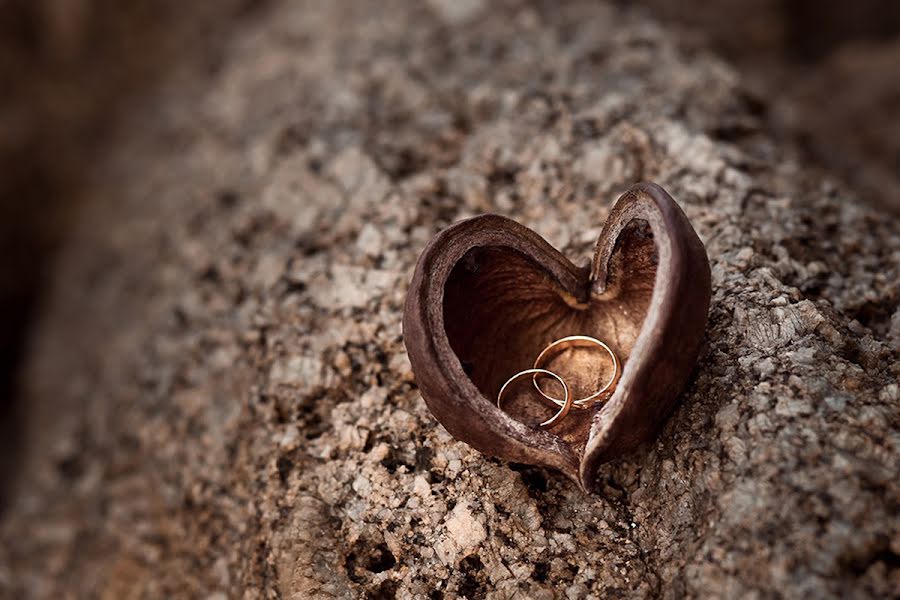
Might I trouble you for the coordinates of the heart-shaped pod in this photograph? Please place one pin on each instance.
(488, 294)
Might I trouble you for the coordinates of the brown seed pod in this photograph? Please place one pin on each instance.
(488, 294)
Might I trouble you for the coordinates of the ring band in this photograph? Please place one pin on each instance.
(576, 341)
(535, 373)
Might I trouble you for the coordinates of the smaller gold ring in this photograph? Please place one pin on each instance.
(570, 342)
(565, 406)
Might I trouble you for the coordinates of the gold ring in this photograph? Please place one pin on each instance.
(573, 341)
(565, 404)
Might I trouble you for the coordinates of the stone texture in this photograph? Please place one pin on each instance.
(219, 400)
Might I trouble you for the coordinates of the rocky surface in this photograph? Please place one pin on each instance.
(219, 400)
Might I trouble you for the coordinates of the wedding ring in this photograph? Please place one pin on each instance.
(575, 341)
(536, 373)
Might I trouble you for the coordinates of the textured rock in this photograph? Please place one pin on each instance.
(220, 401)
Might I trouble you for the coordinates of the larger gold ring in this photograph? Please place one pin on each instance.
(576, 341)
(564, 404)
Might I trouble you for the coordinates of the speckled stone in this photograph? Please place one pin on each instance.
(219, 401)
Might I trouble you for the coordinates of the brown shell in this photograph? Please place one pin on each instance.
(488, 294)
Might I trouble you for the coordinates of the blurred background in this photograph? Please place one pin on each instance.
(826, 75)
